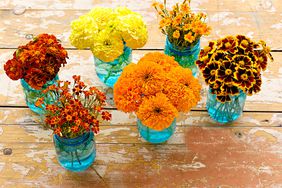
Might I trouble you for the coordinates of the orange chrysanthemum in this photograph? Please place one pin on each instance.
(184, 91)
(150, 77)
(156, 81)
(157, 112)
(167, 62)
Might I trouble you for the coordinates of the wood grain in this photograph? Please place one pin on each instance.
(253, 156)
(17, 29)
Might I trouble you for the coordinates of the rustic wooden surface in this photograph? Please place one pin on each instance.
(202, 153)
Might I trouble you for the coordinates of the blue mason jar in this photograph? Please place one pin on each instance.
(227, 111)
(185, 57)
(31, 95)
(109, 72)
(154, 136)
(75, 154)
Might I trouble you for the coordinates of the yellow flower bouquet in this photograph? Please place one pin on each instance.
(110, 34)
(183, 29)
(156, 89)
(232, 67)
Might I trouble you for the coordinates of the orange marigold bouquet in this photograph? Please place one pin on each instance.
(77, 109)
(182, 27)
(156, 88)
(38, 61)
(233, 64)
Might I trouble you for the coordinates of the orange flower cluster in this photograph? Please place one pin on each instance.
(182, 27)
(156, 88)
(38, 61)
(233, 63)
(77, 109)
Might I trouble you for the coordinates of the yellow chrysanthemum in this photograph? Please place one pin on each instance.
(157, 112)
(133, 30)
(107, 46)
(122, 11)
(83, 31)
(104, 17)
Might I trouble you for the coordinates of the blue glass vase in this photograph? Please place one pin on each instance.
(227, 111)
(109, 72)
(75, 154)
(31, 95)
(185, 57)
(154, 136)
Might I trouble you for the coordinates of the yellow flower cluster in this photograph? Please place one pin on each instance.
(105, 31)
(182, 27)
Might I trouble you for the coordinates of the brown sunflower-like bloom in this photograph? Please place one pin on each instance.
(229, 44)
(256, 85)
(243, 61)
(210, 72)
(244, 79)
(229, 89)
(226, 71)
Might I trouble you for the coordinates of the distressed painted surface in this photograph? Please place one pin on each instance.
(259, 19)
(81, 62)
(24, 116)
(253, 155)
(201, 153)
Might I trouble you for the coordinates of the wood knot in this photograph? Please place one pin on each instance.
(238, 134)
(7, 151)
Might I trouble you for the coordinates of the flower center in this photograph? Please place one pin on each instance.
(158, 110)
(228, 71)
(107, 42)
(147, 76)
(244, 42)
(242, 63)
(244, 77)
(227, 45)
(212, 72)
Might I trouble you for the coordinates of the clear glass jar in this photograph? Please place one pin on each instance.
(227, 111)
(75, 154)
(186, 57)
(154, 136)
(31, 95)
(109, 72)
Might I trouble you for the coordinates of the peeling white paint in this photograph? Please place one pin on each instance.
(277, 26)
(265, 169)
(48, 155)
(1, 131)
(21, 169)
(2, 165)
(194, 165)
(110, 131)
(114, 157)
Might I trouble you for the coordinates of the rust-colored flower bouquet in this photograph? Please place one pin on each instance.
(233, 64)
(38, 61)
(182, 27)
(156, 88)
(76, 110)
(74, 118)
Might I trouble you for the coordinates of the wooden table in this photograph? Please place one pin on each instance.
(202, 153)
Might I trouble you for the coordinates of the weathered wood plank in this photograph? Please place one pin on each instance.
(30, 121)
(17, 29)
(253, 157)
(81, 62)
(223, 5)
